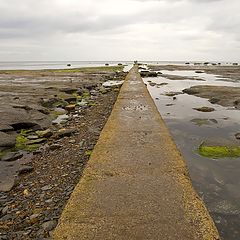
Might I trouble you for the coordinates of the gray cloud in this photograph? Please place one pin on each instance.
(39, 28)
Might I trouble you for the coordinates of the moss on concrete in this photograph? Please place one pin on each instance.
(219, 151)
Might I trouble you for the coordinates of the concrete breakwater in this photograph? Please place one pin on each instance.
(136, 184)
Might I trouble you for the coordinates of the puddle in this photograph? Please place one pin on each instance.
(217, 181)
(112, 83)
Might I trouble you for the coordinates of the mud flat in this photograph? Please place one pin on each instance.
(50, 122)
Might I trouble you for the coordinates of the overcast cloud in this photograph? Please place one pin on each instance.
(119, 30)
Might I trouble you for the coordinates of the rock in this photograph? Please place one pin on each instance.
(12, 156)
(7, 140)
(70, 99)
(5, 210)
(204, 109)
(89, 86)
(171, 94)
(82, 103)
(25, 169)
(32, 137)
(66, 132)
(34, 218)
(36, 141)
(60, 119)
(69, 90)
(214, 100)
(6, 128)
(72, 141)
(199, 71)
(59, 111)
(49, 225)
(103, 90)
(25, 125)
(70, 107)
(112, 83)
(237, 136)
(46, 188)
(55, 146)
(27, 108)
(148, 74)
(190, 91)
(45, 133)
(53, 102)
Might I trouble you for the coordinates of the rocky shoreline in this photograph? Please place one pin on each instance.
(48, 153)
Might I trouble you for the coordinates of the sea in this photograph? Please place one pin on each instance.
(38, 65)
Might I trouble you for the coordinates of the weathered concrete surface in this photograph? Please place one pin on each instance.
(136, 185)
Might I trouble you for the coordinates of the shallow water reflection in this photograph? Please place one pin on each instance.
(217, 181)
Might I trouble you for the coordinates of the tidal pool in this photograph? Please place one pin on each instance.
(216, 180)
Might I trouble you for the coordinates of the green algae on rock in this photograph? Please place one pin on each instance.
(219, 151)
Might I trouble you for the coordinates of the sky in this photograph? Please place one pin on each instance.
(176, 30)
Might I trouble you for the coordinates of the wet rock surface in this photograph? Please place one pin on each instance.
(42, 161)
(222, 95)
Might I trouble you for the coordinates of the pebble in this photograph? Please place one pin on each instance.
(46, 188)
(5, 210)
(49, 225)
(34, 218)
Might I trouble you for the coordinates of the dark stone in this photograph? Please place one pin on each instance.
(25, 125)
(55, 146)
(237, 136)
(214, 100)
(71, 99)
(12, 156)
(148, 74)
(69, 90)
(190, 91)
(53, 102)
(25, 169)
(204, 109)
